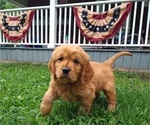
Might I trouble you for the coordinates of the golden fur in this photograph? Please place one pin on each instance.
(75, 78)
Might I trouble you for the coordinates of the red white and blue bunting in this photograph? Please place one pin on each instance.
(15, 27)
(103, 25)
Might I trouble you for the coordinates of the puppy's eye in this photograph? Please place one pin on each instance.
(76, 61)
(60, 58)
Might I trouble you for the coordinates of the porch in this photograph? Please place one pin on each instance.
(52, 24)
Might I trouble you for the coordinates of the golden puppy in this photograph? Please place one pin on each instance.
(75, 78)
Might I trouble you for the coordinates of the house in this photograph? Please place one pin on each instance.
(54, 22)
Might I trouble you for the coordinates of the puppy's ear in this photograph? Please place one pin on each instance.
(87, 73)
(51, 66)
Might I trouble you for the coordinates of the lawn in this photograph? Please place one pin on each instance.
(22, 86)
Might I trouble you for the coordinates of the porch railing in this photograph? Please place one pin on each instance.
(56, 25)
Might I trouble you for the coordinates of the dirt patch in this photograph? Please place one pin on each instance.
(9, 62)
(143, 74)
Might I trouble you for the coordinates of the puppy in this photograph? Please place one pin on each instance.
(75, 78)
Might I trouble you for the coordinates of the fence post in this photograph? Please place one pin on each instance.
(53, 24)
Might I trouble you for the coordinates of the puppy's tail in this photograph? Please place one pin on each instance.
(111, 60)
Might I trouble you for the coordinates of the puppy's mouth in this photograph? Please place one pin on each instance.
(66, 80)
(65, 77)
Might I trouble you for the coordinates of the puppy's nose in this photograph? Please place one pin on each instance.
(65, 70)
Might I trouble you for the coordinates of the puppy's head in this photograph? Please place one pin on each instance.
(70, 64)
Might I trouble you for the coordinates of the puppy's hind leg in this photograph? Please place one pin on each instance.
(47, 102)
(110, 93)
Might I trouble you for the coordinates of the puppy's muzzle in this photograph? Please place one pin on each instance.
(65, 70)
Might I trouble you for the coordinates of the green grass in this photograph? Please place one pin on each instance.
(22, 86)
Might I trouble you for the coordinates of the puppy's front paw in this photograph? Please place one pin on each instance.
(45, 109)
(111, 108)
(83, 110)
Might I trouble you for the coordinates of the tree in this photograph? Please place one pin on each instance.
(4, 5)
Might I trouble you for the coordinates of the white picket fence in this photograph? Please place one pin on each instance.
(52, 24)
